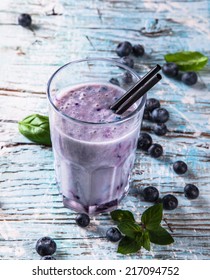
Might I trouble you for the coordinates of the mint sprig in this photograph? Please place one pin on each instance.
(137, 235)
(187, 60)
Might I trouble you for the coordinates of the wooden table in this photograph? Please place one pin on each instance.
(31, 206)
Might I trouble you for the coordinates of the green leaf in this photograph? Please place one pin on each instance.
(151, 218)
(36, 128)
(128, 245)
(122, 215)
(160, 236)
(146, 240)
(187, 60)
(129, 228)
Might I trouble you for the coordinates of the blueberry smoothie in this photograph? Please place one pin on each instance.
(94, 148)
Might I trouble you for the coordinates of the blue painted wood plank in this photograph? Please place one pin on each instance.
(31, 206)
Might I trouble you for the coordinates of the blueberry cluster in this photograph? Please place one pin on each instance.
(169, 201)
(151, 194)
(46, 247)
(153, 112)
(145, 143)
(171, 69)
(112, 234)
(125, 49)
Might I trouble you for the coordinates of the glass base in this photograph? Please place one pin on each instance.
(93, 210)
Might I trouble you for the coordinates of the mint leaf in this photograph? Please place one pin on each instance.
(146, 240)
(129, 228)
(151, 218)
(36, 128)
(187, 60)
(137, 235)
(160, 236)
(122, 215)
(128, 245)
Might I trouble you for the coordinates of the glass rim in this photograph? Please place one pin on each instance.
(111, 61)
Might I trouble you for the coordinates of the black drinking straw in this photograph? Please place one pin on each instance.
(138, 94)
(135, 88)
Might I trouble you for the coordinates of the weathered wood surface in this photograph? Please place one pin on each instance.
(30, 204)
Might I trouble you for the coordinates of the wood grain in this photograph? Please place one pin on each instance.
(31, 206)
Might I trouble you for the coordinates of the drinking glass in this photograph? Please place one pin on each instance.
(93, 161)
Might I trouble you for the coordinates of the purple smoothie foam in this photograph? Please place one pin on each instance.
(94, 158)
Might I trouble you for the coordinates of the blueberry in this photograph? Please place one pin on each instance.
(48, 257)
(113, 234)
(191, 191)
(160, 129)
(124, 48)
(24, 20)
(170, 69)
(151, 104)
(144, 141)
(127, 77)
(138, 50)
(155, 150)
(180, 167)
(189, 78)
(45, 246)
(126, 60)
(114, 81)
(170, 202)
(82, 220)
(150, 194)
(160, 115)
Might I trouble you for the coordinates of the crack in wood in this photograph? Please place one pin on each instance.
(10, 145)
(89, 40)
(99, 14)
(168, 225)
(174, 133)
(21, 91)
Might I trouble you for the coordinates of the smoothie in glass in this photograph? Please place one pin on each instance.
(94, 148)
